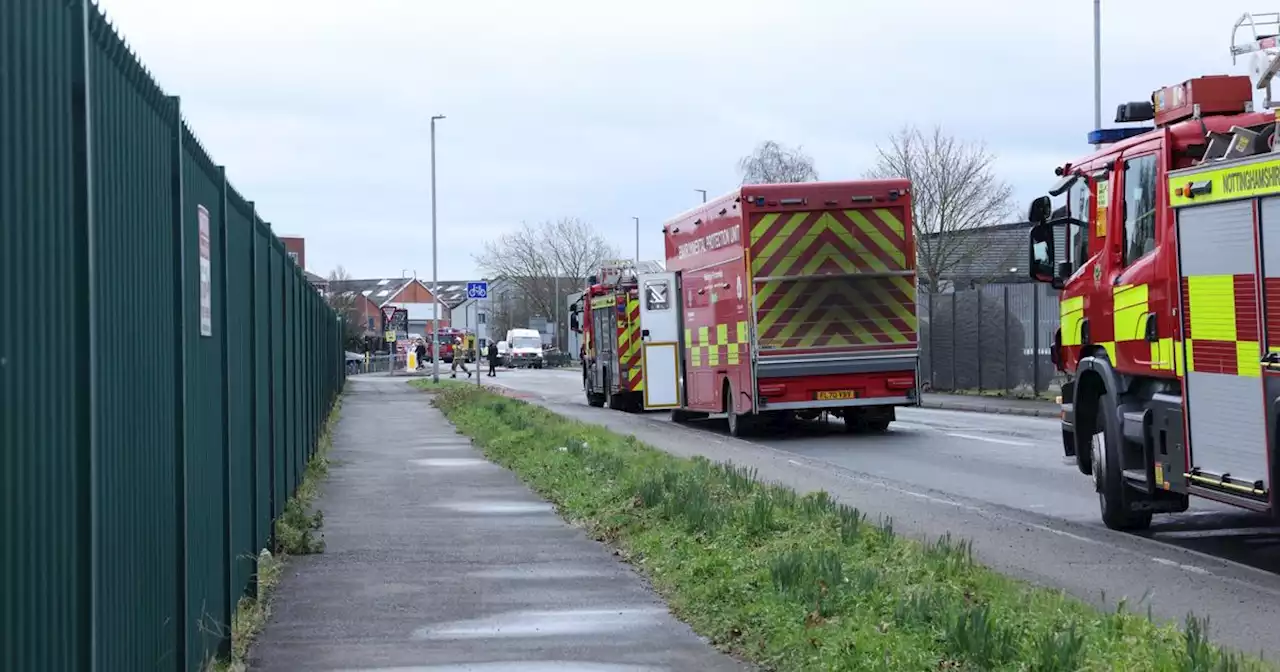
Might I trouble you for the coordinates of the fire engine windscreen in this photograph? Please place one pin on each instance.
(834, 279)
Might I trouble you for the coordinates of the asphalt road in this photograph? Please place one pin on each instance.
(1002, 481)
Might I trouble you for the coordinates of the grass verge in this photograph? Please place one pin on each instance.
(1022, 394)
(297, 533)
(804, 583)
(428, 385)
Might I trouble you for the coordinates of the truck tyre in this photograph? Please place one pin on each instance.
(739, 424)
(1108, 476)
(594, 399)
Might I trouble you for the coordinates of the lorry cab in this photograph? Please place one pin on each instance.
(1107, 235)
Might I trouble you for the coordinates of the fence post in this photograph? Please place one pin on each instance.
(933, 383)
(181, 652)
(1008, 387)
(85, 650)
(224, 642)
(1035, 341)
(978, 291)
(954, 345)
(255, 371)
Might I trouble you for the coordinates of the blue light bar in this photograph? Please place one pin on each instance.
(1106, 136)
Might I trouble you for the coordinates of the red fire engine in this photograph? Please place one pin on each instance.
(1165, 243)
(611, 364)
(778, 301)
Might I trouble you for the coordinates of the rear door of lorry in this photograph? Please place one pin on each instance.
(834, 292)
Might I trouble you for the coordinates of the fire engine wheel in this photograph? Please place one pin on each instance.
(739, 424)
(1108, 477)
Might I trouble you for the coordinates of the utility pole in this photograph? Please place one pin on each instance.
(704, 194)
(637, 243)
(435, 271)
(1097, 66)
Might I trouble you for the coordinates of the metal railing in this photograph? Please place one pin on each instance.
(995, 338)
(165, 368)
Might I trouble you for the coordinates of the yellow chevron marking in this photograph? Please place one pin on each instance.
(777, 240)
(892, 248)
(798, 320)
(828, 252)
(892, 221)
(762, 226)
(875, 316)
(893, 304)
(788, 298)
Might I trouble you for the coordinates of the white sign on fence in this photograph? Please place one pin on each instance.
(206, 275)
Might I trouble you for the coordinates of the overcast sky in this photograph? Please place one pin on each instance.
(319, 109)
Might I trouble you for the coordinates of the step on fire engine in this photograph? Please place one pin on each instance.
(778, 302)
(1165, 244)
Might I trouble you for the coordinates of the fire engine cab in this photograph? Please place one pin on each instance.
(1165, 244)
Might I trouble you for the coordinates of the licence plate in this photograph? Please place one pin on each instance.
(837, 395)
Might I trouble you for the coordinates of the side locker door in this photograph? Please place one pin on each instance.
(1269, 234)
(660, 339)
(1217, 269)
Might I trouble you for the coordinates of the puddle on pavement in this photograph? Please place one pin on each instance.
(498, 507)
(545, 624)
(541, 573)
(450, 462)
(520, 666)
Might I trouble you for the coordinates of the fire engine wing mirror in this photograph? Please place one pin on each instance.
(1039, 211)
(573, 322)
(1042, 253)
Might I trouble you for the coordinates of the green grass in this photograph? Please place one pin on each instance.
(801, 582)
(446, 383)
(297, 533)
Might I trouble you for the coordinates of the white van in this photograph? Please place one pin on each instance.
(524, 348)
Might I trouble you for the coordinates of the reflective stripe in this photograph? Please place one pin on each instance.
(1070, 317)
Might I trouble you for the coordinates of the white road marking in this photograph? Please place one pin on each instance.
(989, 439)
(1189, 568)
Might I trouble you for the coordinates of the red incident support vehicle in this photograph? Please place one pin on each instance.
(783, 301)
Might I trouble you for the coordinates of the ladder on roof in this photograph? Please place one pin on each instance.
(1264, 62)
(1262, 33)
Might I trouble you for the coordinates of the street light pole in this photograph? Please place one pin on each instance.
(637, 243)
(704, 194)
(435, 275)
(1097, 66)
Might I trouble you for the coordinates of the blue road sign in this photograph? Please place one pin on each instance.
(478, 290)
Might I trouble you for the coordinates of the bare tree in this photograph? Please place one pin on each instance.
(532, 259)
(954, 191)
(772, 163)
(345, 304)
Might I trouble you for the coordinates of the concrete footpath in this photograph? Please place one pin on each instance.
(437, 560)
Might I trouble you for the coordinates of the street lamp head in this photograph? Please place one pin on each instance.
(438, 116)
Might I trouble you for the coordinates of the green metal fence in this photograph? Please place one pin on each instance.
(165, 368)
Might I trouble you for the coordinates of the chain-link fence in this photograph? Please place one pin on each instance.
(992, 339)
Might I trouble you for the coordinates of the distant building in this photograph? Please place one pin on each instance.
(987, 255)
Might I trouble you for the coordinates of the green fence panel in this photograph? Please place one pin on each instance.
(133, 126)
(144, 456)
(240, 435)
(280, 412)
(261, 369)
(44, 411)
(207, 564)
